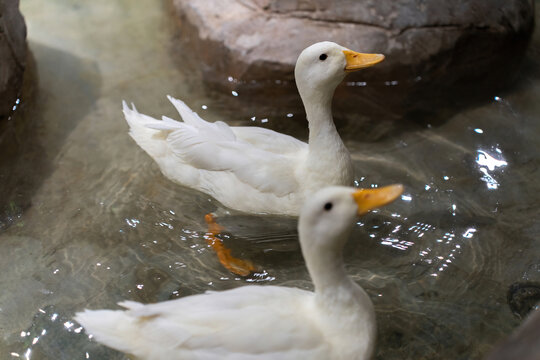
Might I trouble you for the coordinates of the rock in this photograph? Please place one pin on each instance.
(12, 54)
(523, 298)
(434, 49)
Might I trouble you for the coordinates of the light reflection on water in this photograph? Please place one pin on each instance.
(489, 163)
(103, 225)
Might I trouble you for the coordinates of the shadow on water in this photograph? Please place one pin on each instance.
(375, 110)
(276, 104)
(27, 144)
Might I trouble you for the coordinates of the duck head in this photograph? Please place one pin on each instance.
(328, 216)
(322, 66)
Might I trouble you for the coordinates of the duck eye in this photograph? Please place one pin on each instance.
(328, 206)
(323, 57)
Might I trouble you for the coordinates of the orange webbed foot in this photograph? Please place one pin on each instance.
(238, 266)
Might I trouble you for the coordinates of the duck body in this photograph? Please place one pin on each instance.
(254, 169)
(250, 322)
(336, 321)
(250, 169)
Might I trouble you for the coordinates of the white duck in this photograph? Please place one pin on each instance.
(337, 321)
(254, 169)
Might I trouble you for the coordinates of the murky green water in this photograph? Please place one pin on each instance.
(88, 220)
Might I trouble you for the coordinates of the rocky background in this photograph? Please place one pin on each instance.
(434, 51)
(12, 54)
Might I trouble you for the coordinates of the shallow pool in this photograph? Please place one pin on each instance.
(88, 220)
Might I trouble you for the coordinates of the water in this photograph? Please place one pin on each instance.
(87, 219)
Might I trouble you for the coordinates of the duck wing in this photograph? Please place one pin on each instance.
(215, 147)
(269, 140)
(262, 322)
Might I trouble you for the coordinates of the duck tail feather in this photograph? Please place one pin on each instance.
(111, 327)
(189, 116)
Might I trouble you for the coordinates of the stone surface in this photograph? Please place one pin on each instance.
(434, 49)
(12, 54)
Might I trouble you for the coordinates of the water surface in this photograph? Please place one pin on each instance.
(88, 220)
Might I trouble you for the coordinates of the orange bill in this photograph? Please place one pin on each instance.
(357, 61)
(369, 199)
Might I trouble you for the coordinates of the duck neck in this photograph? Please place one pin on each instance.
(322, 131)
(328, 274)
(344, 308)
(326, 149)
(328, 161)
(324, 260)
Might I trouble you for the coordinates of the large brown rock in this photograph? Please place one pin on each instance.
(434, 49)
(12, 54)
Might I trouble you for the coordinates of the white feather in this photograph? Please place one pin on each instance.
(213, 324)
